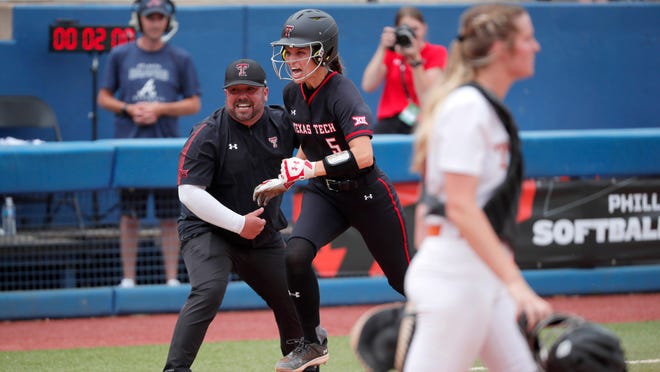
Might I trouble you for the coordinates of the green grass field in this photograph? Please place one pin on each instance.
(640, 341)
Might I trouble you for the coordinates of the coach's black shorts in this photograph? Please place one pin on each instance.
(134, 202)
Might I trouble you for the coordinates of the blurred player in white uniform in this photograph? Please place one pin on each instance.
(464, 284)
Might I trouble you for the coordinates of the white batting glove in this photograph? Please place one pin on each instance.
(268, 190)
(296, 169)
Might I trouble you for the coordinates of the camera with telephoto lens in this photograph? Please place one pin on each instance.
(404, 36)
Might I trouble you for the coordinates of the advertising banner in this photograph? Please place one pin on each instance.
(576, 223)
(589, 223)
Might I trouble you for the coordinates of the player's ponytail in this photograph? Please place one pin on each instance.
(336, 65)
(480, 27)
(455, 75)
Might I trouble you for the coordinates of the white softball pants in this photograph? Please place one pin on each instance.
(464, 312)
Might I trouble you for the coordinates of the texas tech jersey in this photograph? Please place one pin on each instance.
(329, 117)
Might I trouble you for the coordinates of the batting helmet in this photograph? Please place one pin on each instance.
(565, 343)
(311, 28)
(376, 337)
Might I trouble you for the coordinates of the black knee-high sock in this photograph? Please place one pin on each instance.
(303, 285)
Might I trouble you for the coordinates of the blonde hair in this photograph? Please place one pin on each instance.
(480, 27)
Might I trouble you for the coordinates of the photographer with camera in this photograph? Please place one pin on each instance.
(408, 65)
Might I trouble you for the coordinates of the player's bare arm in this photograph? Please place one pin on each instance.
(301, 154)
(186, 106)
(361, 150)
(106, 100)
(462, 209)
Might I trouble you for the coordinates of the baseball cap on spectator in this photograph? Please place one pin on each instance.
(148, 7)
(245, 71)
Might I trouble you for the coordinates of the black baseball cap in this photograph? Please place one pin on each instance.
(245, 71)
(148, 7)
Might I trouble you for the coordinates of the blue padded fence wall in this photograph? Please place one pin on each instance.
(578, 153)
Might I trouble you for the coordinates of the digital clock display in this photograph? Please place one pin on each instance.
(71, 37)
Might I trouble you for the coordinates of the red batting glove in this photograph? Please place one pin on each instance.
(296, 169)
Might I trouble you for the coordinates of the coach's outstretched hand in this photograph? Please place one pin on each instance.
(253, 224)
(268, 190)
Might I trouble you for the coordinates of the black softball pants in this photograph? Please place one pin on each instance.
(373, 209)
(210, 260)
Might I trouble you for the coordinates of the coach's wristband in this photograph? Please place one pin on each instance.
(124, 111)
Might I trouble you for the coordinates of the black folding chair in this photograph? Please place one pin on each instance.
(23, 111)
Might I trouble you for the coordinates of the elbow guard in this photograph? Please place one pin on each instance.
(341, 164)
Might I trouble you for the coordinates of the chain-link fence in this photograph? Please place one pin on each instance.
(72, 240)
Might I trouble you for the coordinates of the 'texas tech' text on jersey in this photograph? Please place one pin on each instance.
(327, 118)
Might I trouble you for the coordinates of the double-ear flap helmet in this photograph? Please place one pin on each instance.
(565, 343)
(311, 28)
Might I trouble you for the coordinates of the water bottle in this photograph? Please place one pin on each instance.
(9, 217)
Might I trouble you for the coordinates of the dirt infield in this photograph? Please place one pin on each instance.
(260, 324)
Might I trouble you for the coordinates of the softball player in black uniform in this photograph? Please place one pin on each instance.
(346, 188)
(221, 228)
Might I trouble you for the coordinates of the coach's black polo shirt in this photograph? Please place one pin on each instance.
(231, 159)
